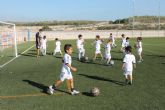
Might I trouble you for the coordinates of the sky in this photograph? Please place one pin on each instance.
(45, 10)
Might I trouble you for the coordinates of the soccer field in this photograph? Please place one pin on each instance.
(24, 81)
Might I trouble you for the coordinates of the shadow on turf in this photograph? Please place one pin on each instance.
(42, 87)
(103, 79)
(161, 56)
(87, 94)
(29, 54)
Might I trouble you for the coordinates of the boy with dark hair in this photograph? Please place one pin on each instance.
(66, 72)
(128, 63)
(80, 47)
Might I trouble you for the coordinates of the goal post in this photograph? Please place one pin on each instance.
(8, 42)
(14, 35)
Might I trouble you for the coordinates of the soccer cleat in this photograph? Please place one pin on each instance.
(130, 83)
(74, 92)
(51, 90)
(139, 61)
(126, 81)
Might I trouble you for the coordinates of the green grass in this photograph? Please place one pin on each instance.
(29, 75)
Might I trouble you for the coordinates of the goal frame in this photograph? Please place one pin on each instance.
(15, 36)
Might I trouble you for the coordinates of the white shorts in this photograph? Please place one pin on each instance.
(81, 50)
(107, 56)
(128, 73)
(139, 51)
(64, 76)
(97, 51)
(57, 50)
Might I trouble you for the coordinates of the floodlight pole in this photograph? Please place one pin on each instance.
(15, 41)
(133, 19)
(159, 18)
(15, 36)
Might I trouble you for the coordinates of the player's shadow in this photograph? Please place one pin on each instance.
(103, 79)
(87, 94)
(42, 87)
(161, 56)
(118, 59)
(33, 50)
(29, 54)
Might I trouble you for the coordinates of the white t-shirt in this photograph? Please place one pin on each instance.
(107, 49)
(80, 44)
(125, 44)
(129, 59)
(43, 43)
(97, 44)
(66, 60)
(58, 45)
(123, 40)
(139, 45)
(112, 38)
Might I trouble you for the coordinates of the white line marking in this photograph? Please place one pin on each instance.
(30, 95)
(1, 66)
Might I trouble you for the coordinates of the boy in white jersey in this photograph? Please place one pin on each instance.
(123, 40)
(57, 47)
(98, 43)
(139, 49)
(112, 38)
(80, 47)
(43, 45)
(108, 51)
(125, 44)
(66, 72)
(128, 62)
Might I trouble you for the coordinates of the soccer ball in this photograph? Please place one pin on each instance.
(86, 58)
(112, 62)
(95, 91)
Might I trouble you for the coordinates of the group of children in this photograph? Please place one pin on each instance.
(129, 60)
(41, 45)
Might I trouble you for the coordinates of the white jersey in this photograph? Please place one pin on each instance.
(43, 43)
(125, 44)
(112, 38)
(123, 40)
(58, 45)
(129, 59)
(80, 44)
(97, 44)
(139, 45)
(66, 60)
(108, 49)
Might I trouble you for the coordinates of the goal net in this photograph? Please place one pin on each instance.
(8, 42)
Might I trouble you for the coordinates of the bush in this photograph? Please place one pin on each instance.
(46, 28)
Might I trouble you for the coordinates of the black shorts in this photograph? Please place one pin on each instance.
(37, 47)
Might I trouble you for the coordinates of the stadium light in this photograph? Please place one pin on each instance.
(158, 17)
(15, 36)
(133, 18)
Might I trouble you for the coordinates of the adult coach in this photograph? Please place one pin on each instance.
(38, 42)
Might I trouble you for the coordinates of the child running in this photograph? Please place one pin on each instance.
(139, 49)
(112, 38)
(128, 63)
(57, 47)
(108, 52)
(66, 72)
(123, 40)
(80, 47)
(125, 44)
(98, 43)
